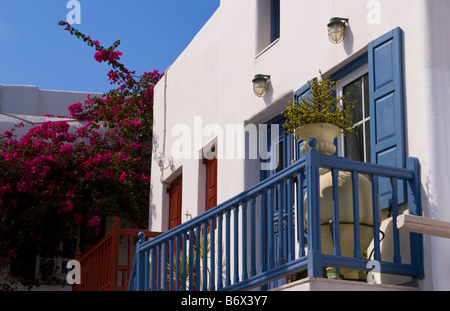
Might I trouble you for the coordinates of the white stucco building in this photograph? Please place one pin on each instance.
(30, 100)
(207, 94)
(32, 106)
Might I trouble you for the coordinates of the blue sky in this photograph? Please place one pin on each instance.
(34, 50)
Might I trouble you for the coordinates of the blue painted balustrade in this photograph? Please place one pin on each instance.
(238, 245)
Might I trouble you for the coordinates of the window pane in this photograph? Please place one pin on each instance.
(280, 157)
(353, 92)
(366, 96)
(274, 20)
(354, 145)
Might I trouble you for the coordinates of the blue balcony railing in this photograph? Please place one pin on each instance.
(247, 241)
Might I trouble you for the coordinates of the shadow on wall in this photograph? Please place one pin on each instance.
(152, 208)
(348, 41)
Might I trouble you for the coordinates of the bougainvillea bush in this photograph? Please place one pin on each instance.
(59, 184)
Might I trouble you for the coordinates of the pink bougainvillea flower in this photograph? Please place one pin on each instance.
(114, 55)
(123, 177)
(93, 222)
(7, 156)
(103, 55)
(113, 75)
(77, 218)
(75, 109)
(67, 206)
(100, 56)
(8, 134)
(12, 253)
(136, 123)
(66, 149)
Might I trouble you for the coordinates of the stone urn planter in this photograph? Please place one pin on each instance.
(345, 193)
(319, 113)
(325, 135)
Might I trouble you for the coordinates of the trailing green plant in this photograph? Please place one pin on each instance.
(179, 266)
(320, 105)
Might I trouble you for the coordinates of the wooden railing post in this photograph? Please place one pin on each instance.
(140, 265)
(114, 255)
(129, 260)
(100, 266)
(415, 208)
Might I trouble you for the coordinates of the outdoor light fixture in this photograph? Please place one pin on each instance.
(260, 84)
(161, 160)
(336, 29)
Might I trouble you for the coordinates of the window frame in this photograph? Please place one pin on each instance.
(340, 84)
(268, 25)
(275, 19)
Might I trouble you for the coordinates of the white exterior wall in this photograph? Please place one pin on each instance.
(30, 100)
(436, 138)
(212, 79)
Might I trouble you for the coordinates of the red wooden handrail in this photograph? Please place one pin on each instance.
(100, 268)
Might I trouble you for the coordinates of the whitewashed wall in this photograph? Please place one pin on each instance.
(434, 141)
(212, 79)
(30, 100)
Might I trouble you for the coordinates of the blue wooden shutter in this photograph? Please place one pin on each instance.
(387, 136)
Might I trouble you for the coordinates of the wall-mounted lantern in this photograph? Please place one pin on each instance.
(260, 84)
(336, 29)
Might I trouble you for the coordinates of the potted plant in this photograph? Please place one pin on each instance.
(320, 114)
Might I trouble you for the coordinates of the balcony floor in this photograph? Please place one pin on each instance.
(324, 284)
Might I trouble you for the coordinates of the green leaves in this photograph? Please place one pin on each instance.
(321, 105)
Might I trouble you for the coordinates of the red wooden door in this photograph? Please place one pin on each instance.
(175, 192)
(211, 183)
